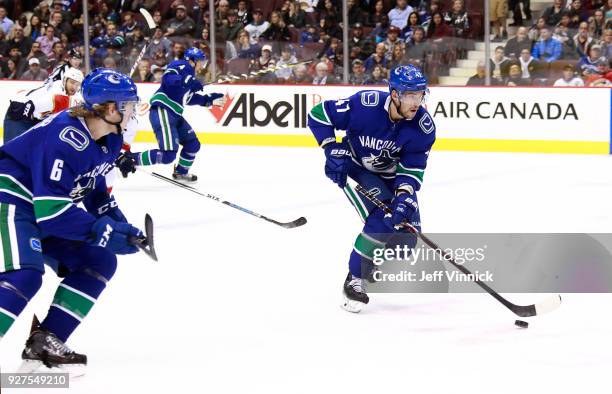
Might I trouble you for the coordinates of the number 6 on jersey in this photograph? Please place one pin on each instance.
(56, 171)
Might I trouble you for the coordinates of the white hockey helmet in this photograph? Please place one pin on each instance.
(73, 73)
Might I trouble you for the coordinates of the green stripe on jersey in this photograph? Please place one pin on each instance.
(318, 113)
(6, 321)
(165, 129)
(7, 252)
(48, 208)
(413, 172)
(144, 158)
(357, 203)
(365, 245)
(73, 300)
(161, 98)
(9, 185)
(185, 163)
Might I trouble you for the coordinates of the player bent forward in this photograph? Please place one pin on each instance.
(179, 87)
(44, 174)
(388, 139)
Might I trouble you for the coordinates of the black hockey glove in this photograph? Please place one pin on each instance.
(126, 163)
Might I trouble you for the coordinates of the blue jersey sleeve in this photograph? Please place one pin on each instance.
(54, 169)
(99, 200)
(176, 79)
(172, 79)
(328, 116)
(414, 155)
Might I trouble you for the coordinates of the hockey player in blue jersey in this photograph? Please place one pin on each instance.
(44, 174)
(179, 87)
(388, 139)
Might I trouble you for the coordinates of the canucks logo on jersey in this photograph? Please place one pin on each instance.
(396, 150)
(82, 187)
(383, 162)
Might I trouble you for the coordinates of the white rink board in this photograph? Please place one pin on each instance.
(476, 116)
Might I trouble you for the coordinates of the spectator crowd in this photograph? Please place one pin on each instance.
(570, 39)
(569, 44)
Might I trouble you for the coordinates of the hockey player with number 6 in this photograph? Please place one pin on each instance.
(387, 143)
(179, 87)
(44, 174)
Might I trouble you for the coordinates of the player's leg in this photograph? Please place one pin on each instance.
(190, 148)
(16, 289)
(21, 263)
(85, 270)
(373, 236)
(164, 123)
(14, 128)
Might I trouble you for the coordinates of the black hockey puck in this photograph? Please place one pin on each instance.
(521, 324)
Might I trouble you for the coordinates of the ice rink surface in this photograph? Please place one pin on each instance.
(238, 305)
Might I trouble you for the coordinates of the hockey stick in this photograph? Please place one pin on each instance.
(152, 25)
(544, 306)
(233, 78)
(147, 243)
(295, 223)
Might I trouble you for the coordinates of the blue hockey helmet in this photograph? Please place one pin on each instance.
(195, 54)
(407, 79)
(105, 85)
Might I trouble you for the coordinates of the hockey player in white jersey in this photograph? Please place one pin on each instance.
(28, 108)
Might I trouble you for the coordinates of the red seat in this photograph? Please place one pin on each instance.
(238, 66)
(164, 6)
(295, 34)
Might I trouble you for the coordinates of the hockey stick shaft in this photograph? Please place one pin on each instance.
(520, 310)
(138, 59)
(151, 23)
(296, 223)
(234, 78)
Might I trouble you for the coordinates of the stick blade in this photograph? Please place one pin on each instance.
(146, 243)
(545, 306)
(548, 305)
(296, 223)
(150, 240)
(148, 18)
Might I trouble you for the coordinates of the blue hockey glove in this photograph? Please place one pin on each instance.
(195, 85)
(404, 207)
(113, 211)
(204, 100)
(126, 163)
(338, 160)
(104, 204)
(210, 98)
(113, 235)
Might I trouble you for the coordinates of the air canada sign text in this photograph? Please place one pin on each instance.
(505, 110)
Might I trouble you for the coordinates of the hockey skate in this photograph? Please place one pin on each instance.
(184, 178)
(46, 352)
(355, 298)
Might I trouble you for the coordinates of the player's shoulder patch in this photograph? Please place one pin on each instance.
(370, 98)
(426, 123)
(74, 137)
